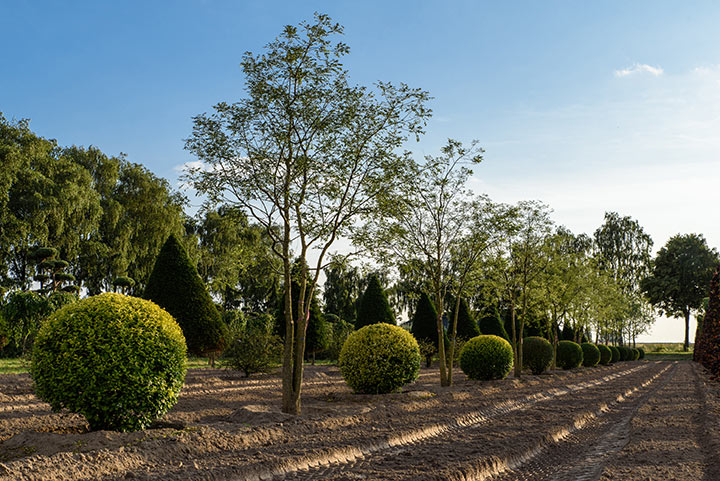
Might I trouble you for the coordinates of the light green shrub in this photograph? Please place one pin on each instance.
(486, 357)
(591, 354)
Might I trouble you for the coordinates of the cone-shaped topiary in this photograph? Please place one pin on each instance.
(379, 358)
(467, 328)
(486, 357)
(492, 325)
(537, 354)
(424, 325)
(374, 307)
(591, 354)
(317, 336)
(569, 354)
(605, 354)
(117, 360)
(175, 286)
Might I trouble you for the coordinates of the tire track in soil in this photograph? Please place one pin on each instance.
(340, 460)
(582, 451)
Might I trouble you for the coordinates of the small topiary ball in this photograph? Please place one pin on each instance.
(625, 353)
(379, 358)
(641, 351)
(591, 354)
(486, 357)
(569, 354)
(635, 354)
(537, 354)
(605, 354)
(615, 354)
(117, 360)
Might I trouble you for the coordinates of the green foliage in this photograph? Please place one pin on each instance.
(175, 286)
(615, 354)
(537, 354)
(117, 360)
(605, 354)
(24, 313)
(635, 354)
(590, 354)
(255, 348)
(569, 355)
(339, 332)
(486, 357)
(341, 290)
(424, 326)
(317, 335)
(379, 358)
(467, 328)
(641, 353)
(492, 325)
(625, 353)
(374, 307)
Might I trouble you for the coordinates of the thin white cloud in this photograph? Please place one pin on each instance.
(639, 68)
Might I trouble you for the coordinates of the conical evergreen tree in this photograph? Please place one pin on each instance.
(175, 285)
(374, 307)
(317, 335)
(491, 324)
(424, 325)
(467, 328)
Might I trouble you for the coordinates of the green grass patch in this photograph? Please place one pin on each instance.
(669, 356)
(14, 366)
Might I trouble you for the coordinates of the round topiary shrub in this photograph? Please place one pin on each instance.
(625, 354)
(569, 355)
(615, 354)
(486, 357)
(641, 352)
(379, 358)
(605, 354)
(635, 354)
(117, 360)
(591, 354)
(537, 354)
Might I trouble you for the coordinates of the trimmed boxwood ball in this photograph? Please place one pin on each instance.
(486, 357)
(615, 354)
(569, 355)
(379, 358)
(117, 360)
(625, 353)
(641, 351)
(605, 354)
(591, 354)
(635, 354)
(537, 354)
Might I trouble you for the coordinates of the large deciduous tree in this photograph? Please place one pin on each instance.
(680, 275)
(306, 155)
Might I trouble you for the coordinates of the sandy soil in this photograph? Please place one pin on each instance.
(633, 420)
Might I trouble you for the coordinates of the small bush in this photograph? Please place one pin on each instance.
(591, 354)
(635, 354)
(569, 354)
(255, 348)
(641, 353)
(625, 353)
(379, 358)
(615, 354)
(537, 354)
(339, 332)
(117, 360)
(605, 354)
(486, 357)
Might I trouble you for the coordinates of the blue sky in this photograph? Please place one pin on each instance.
(588, 106)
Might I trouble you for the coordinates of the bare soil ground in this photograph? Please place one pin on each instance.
(632, 421)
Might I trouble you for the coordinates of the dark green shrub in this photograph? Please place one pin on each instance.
(175, 285)
(379, 358)
(625, 353)
(339, 332)
(569, 354)
(467, 328)
(605, 354)
(317, 334)
(424, 328)
(635, 354)
(492, 325)
(615, 354)
(374, 306)
(641, 353)
(117, 360)
(591, 354)
(255, 348)
(537, 354)
(486, 357)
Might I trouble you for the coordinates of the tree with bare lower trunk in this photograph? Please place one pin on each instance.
(307, 156)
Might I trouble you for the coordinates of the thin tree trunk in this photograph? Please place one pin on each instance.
(453, 340)
(686, 346)
(514, 336)
(441, 340)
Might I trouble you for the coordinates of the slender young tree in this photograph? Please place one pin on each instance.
(307, 156)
